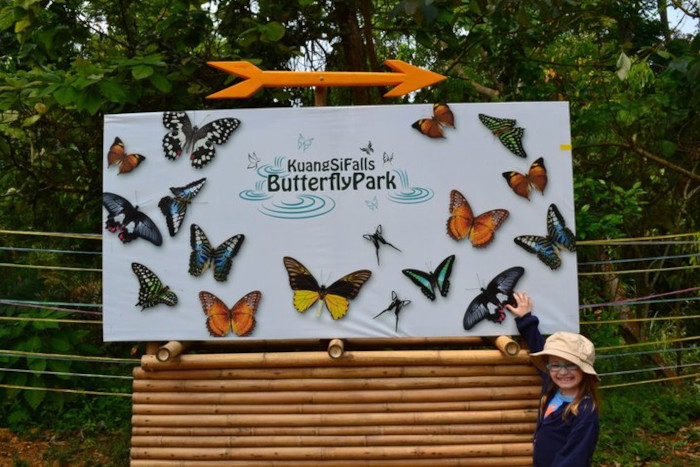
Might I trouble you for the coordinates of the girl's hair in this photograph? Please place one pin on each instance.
(588, 387)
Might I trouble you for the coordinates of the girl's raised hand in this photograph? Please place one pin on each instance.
(523, 304)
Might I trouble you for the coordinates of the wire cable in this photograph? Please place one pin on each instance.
(63, 373)
(72, 391)
(50, 356)
(50, 320)
(53, 234)
(47, 250)
(53, 268)
(648, 381)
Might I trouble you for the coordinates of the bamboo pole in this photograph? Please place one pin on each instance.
(509, 461)
(367, 430)
(506, 345)
(338, 372)
(431, 418)
(350, 358)
(353, 343)
(345, 396)
(341, 452)
(336, 347)
(171, 409)
(327, 384)
(299, 441)
(171, 350)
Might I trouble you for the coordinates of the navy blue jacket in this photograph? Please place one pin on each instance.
(560, 443)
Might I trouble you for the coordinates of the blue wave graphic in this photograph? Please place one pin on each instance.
(409, 194)
(305, 207)
(413, 195)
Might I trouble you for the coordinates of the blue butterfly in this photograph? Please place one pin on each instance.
(203, 255)
(304, 143)
(372, 203)
(174, 208)
(429, 281)
(547, 248)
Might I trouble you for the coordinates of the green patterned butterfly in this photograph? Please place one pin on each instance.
(428, 282)
(510, 135)
(151, 289)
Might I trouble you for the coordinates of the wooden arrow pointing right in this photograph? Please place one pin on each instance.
(407, 78)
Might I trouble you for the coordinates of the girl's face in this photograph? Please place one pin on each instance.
(567, 379)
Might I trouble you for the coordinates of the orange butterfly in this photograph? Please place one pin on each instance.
(221, 319)
(432, 127)
(117, 156)
(479, 229)
(536, 178)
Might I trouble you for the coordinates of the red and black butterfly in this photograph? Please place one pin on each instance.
(128, 221)
(502, 285)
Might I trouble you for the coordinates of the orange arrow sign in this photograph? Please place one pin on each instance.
(406, 79)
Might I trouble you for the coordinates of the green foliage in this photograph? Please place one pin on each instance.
(632, 417)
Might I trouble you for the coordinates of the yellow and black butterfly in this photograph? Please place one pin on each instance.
(336, 296)
(522, 184)
(432, 127)
(117, 156)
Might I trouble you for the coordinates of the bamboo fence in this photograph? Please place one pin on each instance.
(340, 405)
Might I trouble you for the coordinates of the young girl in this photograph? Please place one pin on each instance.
(567, 424)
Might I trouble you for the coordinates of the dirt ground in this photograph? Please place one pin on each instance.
(47, 451)
(683, 450)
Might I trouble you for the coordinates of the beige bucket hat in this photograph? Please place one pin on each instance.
(569, 346)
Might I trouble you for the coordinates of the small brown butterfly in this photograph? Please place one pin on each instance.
(117, 156)
(432, 127)
(536, 178)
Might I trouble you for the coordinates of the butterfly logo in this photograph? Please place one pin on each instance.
(378, 239)
(368, 149)
(174, 208)
(304, 143)
(198, 142)
(253, 161)
(506, 131)
(221, 319)
(522, 184)
(499, 293)
(396, 305)
(463, 224)
(388, 158)
(117, 156)
(373, 203)
(547, 248)
(336, 296)
(151, 289)
(429, 281)
(220, 258)
(432, 127)
(128, 221)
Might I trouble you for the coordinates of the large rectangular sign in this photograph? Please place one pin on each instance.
(386, 221)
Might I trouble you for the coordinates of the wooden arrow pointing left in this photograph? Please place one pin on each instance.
(406, 78)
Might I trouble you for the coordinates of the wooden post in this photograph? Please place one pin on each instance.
(336, 347)
(171, 350)
(506, 345)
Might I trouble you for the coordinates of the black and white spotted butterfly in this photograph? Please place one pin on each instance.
(198, 142)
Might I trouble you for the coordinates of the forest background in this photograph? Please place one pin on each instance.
(630, 73)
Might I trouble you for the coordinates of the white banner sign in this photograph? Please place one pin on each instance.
(402, 220)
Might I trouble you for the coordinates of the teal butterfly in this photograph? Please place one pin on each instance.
(151, 290)
(506, 131)
(429, 281)
(220, 258)
(547, 248)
